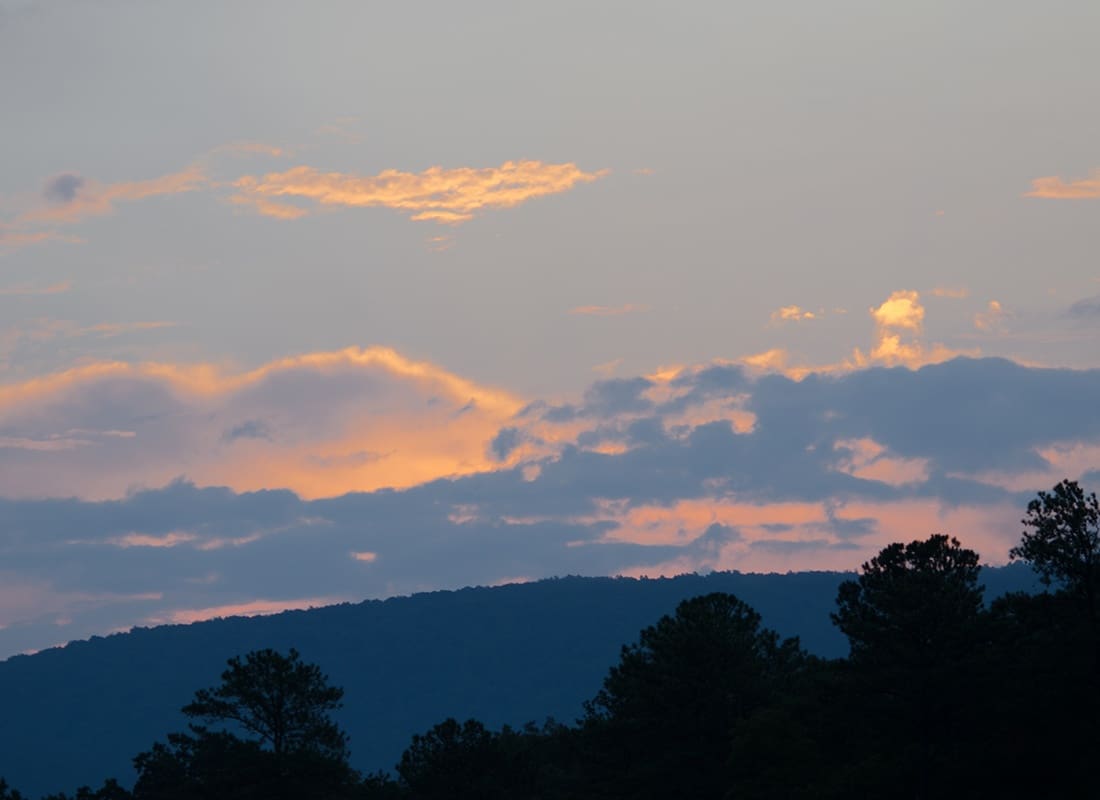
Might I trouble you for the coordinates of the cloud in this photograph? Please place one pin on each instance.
(26, 290)
(252, 149)
(901, 310)
(1054, 188)
(250, 608)
(702, 467)
(993, 319)
(63, 188)
(321, 424)
(13, 239)
(249, 429)
(70, 198)
(446, 196)
(76, 198)
(608, 311)
(1087, 308)
(899, 324)
(793, 314)
(952, 292)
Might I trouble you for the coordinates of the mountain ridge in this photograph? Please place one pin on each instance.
(504, 654)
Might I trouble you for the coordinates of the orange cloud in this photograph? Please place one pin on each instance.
(952, 292)
(252, 148)
(899, 315)
(252, 608)
(146, 540)
(1066, 459)
(14, 239)
(869, 460)
(447, 196)
(608, 311)
(792, 314)
(69, 199)
(94, 199)
(24, 290)
(901, 309)
(993, 318)
(321, 424)
(782, 536)
(1054, 188)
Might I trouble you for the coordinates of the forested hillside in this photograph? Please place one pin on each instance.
(503, 655)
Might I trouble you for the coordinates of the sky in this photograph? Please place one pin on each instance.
(313, 303)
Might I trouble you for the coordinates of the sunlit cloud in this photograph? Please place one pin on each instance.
(71, 198)
(951, 292)
(250, 608)
(39, 332)
(252, 149)
(321, 424)
(732, 535)
(608, 311)
(993, 319)
(27, 290)
(1055, 188)
(147, 540)
(793, 314)
(15, 239)
(267, 208)
(608, 368)
(446, 196)
(902, 309)
(867, 459)
(899, 323)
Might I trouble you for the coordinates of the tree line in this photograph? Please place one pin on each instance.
(941, 696)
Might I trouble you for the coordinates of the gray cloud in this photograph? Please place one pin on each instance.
(1087, 308)
(63, 188)
(113, 563)
(249, 429)
(505, 442)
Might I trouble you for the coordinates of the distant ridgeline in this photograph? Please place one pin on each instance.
(504, 655)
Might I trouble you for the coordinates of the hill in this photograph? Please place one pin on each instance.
(508, 654)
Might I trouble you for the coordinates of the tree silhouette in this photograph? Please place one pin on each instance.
(1061, 541)
(292, 748)
(663, 718)
(913, 602)
(911, 618)
(282, 702)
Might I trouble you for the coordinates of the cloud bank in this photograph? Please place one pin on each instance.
(364, 474)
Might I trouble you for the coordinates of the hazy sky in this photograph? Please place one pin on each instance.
(312, 302)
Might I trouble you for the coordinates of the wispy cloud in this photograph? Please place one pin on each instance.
(1053, 187)
(72, 198)
(250, 608)
(1086, 308)
(952, 292)
(69, 198)
(27, 290)
(608, 311)
(252, 149)
(446, 196)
